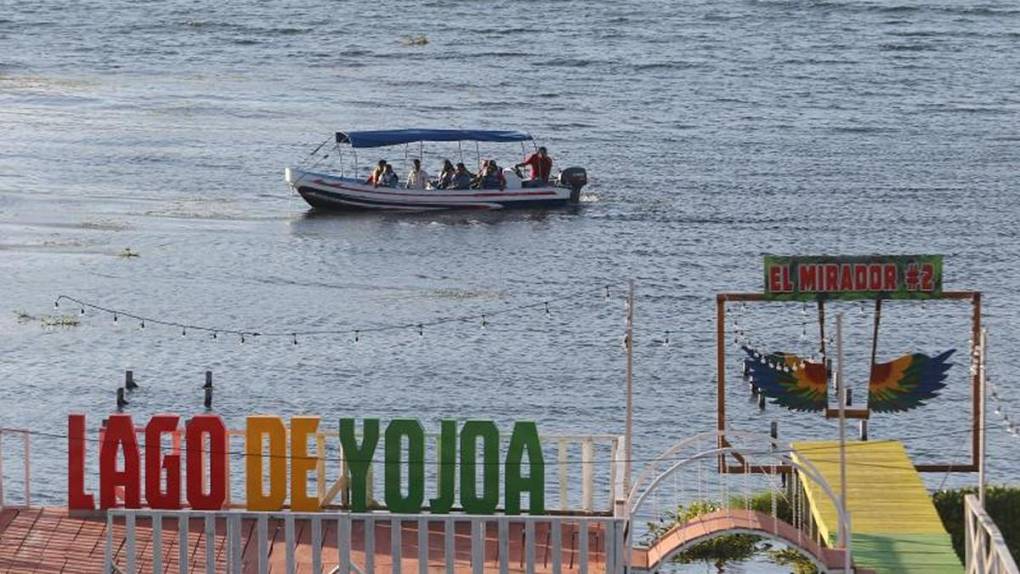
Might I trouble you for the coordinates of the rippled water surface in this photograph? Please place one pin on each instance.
(713, 133)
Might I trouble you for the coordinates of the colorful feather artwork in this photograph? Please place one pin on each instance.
(905, 383)
(788, 380)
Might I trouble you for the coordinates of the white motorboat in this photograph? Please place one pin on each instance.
(333, 191)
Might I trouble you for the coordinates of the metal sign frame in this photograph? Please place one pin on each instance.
(721, 299)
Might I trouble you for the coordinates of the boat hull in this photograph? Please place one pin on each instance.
(327, 192)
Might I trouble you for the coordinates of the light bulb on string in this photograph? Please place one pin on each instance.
(83, 310)
(142, 322)
(357, 336)
(607, 293)
(294, 335)
(242, 338)
(214, 334)
(184, 331)
(114, 317)
(546, 307)
(421, 330)
(484, 322)
(56, 304)
(665, 341)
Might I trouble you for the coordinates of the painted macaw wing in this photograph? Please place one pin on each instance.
(905, 383)
(788, 380)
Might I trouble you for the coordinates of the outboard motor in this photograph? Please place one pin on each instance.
(575, 178)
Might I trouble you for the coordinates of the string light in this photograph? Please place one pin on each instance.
(114, 317)
(184, 332)
(999, 409)
(292, 334)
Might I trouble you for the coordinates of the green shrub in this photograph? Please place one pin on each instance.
(1002, 504)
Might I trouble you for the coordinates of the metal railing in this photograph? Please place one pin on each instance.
(331, 542)
(987, 552)
(27, 470)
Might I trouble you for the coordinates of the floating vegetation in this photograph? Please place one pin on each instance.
(128, 253)
(419, 40)
(60, 321)
(66, 320)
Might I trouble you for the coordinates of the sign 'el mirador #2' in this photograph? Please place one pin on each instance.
(130, 473)
(810, 278)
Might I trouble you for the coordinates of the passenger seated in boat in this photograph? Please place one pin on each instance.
(541, 166)
(375, 179)
(417, 177)
(512, 177)
(492, 179)
(446, 175)
(476, 180)
(388, 178)
(461, 178)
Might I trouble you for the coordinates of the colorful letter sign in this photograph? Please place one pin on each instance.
(282, 449)
(867, 277)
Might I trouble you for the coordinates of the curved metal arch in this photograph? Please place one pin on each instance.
(649, 468)
(807, 469)
(667, 454)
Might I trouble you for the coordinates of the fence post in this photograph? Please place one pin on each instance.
(587, 455)
(316, 544)
(477, 546)
(288, 534)
(423, 546)
(108, 549)
(561, 459)
(183, 526)
(157, 542)
(28, 471)
(557, 545)
(1, 468)
(210, 544)
(395, 540)
(129, 542)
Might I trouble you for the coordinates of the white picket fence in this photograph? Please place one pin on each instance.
(26, 476)
(122, 547)
(987, 552)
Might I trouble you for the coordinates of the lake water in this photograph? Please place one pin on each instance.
(713, 133)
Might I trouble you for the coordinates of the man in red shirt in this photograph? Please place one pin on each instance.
(540, 164)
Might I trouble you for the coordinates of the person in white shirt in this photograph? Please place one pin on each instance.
(512, 177)
(417, 178)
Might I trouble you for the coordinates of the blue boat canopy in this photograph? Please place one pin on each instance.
(381, 138)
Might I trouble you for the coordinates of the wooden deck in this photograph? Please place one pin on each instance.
(896, 529)
(51, 540)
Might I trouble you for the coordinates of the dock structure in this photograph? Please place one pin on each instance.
(895, 527)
